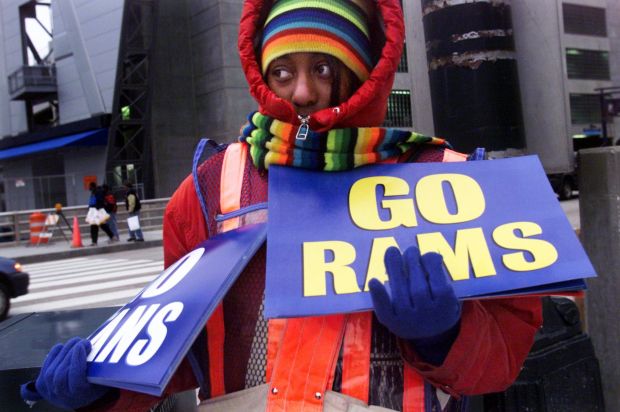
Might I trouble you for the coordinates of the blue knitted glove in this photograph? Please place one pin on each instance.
(423, 308)
(62, 380)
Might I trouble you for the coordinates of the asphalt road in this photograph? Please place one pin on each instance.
(103, 280)
(153, 253)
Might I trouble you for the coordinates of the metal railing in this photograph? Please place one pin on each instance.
(15, 226)
(41, 79)
(25, 193)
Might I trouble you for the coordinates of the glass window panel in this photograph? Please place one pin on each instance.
(584, 20)
(587, 64)
(399, 109)
(585, 108)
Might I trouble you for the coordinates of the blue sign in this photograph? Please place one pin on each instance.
(142, 344)
(497, 224)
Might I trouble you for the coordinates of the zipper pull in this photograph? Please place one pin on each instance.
(304, 129)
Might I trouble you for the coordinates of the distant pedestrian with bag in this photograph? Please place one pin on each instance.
(110, 206)
(97, 216)
(132, 203)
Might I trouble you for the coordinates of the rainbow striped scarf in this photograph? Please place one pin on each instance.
(274, 142)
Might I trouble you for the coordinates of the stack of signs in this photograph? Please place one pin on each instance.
(142, 344)
(497, 224)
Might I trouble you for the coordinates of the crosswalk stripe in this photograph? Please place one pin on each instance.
(142, 280)
(61, 262)
(80, 266)
(82, 302)
(85, 282)
(90, 270)
(76, 279)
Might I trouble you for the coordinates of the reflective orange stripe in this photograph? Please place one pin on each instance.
(275, 328)
(356, 356)
(452, 156)
(233, 168)
(305, 363)
(413, 396)
(215, 343)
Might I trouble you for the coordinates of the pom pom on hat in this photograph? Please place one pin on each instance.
(338, 28)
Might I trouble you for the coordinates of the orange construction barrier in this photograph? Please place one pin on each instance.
(77, 237)
(37, 226)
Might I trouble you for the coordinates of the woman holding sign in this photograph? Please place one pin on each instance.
(321, 71)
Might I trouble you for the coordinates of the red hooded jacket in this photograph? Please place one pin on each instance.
(495, 335)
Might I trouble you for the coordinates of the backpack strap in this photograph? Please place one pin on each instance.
(197, 353)
(231, 182)
(478, 154)
(200, 148)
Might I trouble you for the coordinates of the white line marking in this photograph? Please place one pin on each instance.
(85, 271)
(117, 298)
(74, 279)
(54, 262)
(142, 280)
(79, 266)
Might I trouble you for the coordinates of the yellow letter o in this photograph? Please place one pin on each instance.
(431, 200)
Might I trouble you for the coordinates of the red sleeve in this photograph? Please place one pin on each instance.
(495, 338)
(184, 229)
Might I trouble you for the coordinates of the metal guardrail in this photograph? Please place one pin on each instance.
(15, 226)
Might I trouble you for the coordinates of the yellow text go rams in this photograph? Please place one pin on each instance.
(470, 246)
(429, 197)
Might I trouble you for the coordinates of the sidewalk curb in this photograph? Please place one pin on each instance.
(87, 251)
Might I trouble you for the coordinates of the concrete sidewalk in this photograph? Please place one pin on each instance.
(60, 249)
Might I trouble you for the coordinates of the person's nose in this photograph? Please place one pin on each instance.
(304, 93)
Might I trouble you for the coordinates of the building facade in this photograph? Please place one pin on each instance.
(565, 50)
(55, 101)
(124, 89)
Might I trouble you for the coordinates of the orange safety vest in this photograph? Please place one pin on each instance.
(302, 352)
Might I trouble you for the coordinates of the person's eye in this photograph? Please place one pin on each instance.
(324, 70)
(281, 74)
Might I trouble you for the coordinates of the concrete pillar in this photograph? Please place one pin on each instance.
(221, 91)
(599, 203)
(473, 74)
(173, 113)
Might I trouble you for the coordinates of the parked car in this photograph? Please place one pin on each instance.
(13, 283)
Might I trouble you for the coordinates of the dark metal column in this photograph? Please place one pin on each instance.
(473, 74)
(129, 145)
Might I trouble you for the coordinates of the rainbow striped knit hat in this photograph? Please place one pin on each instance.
(338, 28)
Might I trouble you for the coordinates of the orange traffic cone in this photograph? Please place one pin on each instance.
(77, 237)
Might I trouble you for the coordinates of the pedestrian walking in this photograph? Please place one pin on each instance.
(321, 72)
(110, 206)
(96, 214)
(132, 203)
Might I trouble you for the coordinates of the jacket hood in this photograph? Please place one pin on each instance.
(365, 108)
